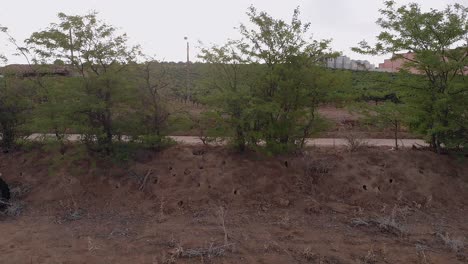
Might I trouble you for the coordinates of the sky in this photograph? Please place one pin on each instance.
(160, 26)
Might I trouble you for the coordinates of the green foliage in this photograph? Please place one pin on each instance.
(55, 106)
(153, 91)
(438, 93)
(211, 127)
(99, 55)
(386, 115)
(373, 86)
(267, 86)
(15, 107)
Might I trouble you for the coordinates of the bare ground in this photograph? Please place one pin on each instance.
(190, 204)
(341, 122)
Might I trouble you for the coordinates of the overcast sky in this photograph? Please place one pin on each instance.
(160, 25)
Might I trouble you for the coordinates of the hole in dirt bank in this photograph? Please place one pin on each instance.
(173, 175)
(235, 192)
(180, 203)
(209, 186)
(198, 152)
(390, 181)
(155, 181)
(200, 167)
(198, 184)
(364, 187)
(170, 168)
(286, 164)
(421, 171)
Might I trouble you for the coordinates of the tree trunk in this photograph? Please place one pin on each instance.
(396, 135)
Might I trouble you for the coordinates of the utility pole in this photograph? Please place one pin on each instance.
(188, 93)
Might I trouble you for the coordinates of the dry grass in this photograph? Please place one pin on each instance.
(222, 212)
(386, 224)
(210, 252)
(161, 217)
(71, 212)
(19, 191)
(354, 142)
(454, 244)
(422, 257)
(14, 208)
(370, 257)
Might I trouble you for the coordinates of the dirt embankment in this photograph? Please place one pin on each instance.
(209, 205)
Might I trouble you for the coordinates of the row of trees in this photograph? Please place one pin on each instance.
(107, 96)
(263, 88)
(275, 98)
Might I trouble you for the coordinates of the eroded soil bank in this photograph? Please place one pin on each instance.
(190, 204)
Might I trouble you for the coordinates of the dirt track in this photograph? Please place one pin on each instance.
(192, 140)
(189, 140)
(324, 206)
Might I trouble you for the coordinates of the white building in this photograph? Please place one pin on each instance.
(344, 62)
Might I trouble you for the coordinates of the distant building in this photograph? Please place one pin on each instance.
(345, 63)
(397, 62)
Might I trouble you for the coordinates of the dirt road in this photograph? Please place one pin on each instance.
(191, 140)
(188, 140)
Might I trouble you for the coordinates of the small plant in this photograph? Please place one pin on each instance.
(308, 254)
(455, 244)
(72, 211)
(222, 212)
(422, 257)
(370, 257)
(210, 128)
(209, 252)
(92, 246)
(355, 143)
(12, 208)
(161, 217)
(387, 224)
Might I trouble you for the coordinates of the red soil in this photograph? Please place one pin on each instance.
(305, 208)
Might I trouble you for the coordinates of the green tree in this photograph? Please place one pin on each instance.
(55, 106)
(15, 107)
(438, 39)
(153, 94)
(229, 91)
(269, 84)
(385, 115)
(100, 55)
(15, 100)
